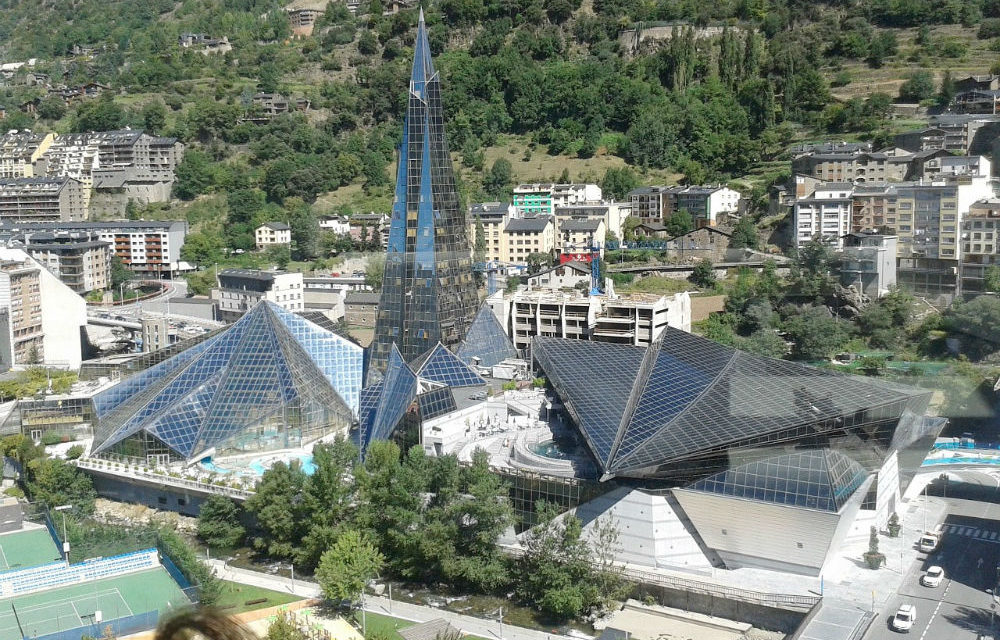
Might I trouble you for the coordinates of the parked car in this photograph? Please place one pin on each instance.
(932, 577)
(928, 542)
(904, 618)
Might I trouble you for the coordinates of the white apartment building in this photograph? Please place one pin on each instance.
(826, 214)
(273, 233)
(940, 167)
(525, 236)
(239, 290)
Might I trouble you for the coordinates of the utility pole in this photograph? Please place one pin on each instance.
(501, 623)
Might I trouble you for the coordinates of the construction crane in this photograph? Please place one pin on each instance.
(490, 269)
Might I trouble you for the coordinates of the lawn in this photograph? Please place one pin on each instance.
(381, 626)
(235, 596)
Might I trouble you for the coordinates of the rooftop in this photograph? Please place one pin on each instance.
(532, 225)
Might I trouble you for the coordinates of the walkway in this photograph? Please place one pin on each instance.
(489, 629)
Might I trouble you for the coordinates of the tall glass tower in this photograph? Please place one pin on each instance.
(428, 294)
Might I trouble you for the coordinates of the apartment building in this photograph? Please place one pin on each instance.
(826, 214)
(708, 204)
(494, 217)
(270, 234)
(303, 21)
(650, 203)
(947, 166)
(370, 223)
(868, 262)
(79, 259)
(635, 319)
(577, 237)
(543, 198)
(42, 199)
(41, 319)
(239, 290)
(639, 319)
(956, 133)
(613, 215)
(854, 166)
(524, 236)
(149, 248)
(20, 151)
(980, 244)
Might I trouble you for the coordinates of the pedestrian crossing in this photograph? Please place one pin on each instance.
(983, 535)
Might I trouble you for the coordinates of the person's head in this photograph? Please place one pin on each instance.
(204, 623)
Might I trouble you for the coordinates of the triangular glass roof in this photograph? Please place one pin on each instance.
(818, 479)
(686, 397)
(399, 388)
(486, 341)
(271, 364)
(441, 365)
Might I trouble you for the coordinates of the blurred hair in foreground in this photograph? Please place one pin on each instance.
(202, 623)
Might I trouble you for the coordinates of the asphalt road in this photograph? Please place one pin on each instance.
(961, 606)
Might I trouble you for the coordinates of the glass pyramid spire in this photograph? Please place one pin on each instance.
(398, 390)
(428, 294)
(272, 380)
(486, 341)
(441, 365)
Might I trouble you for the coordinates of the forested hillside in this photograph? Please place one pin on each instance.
(524, 80)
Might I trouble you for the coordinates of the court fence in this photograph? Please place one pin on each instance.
(116, 628)
(18, 582)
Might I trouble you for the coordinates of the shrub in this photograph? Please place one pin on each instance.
(74, 452)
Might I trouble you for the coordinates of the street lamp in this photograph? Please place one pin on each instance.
(64, 508)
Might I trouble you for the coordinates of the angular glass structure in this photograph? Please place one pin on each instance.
(486, 344)
(428, 294)
(441, 365)
(397, 391)
(272, 380)
(817, 479)
(680, 408)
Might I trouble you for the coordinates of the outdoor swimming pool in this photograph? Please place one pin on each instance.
(257, 466)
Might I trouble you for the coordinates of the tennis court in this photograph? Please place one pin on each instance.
(38, 614)
(27, 548)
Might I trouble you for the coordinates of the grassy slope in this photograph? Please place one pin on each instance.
(235, 596)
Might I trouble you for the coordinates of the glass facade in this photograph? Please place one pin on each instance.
(271, 380)
(428, 293)
(683, 407)
(441, 365)
(817, 479)
(486, 344)
(397, 392)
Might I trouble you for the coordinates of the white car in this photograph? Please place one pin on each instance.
(903, 620)
(933, 577)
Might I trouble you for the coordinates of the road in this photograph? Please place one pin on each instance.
(969, 552)
(490, 629)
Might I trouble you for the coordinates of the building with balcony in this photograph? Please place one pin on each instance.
(825, 215)
(240, 290)
(525, 236)
(20, 152)
(649, 204)
(494, 217)
(639, 319)
(868, 262)
(303, 21)
(577, 237)
(42, 199)
(544, 198)
(270, 234)
(941, 167)
(79, 259)
(980, 245)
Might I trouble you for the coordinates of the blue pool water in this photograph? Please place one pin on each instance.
(552, 449)
(257, 467)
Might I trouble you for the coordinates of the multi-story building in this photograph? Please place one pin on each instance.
(868, 262)
(303, 21)
(577, 238)
(20, 152)
(825, 215)
(524, 236)
(948, 166)
(977, 101)
(376, 224)
(707, 204)
(42, 199)
(240, 290)
(73, 156)
(494, 217)
(957, 133)
(79, 259)
(41, 319)
(635, 320)
(980, 244)
(361, 308)
(335, 224)
(147, 247)
(650, 203)
(854, 166)
(613, 215)
(273, 233)
(543, 198)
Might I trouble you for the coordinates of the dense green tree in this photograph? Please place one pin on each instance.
(305, 229)
(991, 279)
(764, 343)
(195, 175)
(278, 511)
(54, 482)
(327, 497)
(815, 333)
(375, 271)
(219, 522)
(703, 274)
(103, 114)
(745, 234)
(202, 248)
(679, 223)
(946, 90)
(617, 183)
(497, 181)
(977, 324)
(919, 86)
(51, 108)
(347, 566)
(119, 272)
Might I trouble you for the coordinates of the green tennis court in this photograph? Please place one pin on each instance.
(27, 548)
(38, 614)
